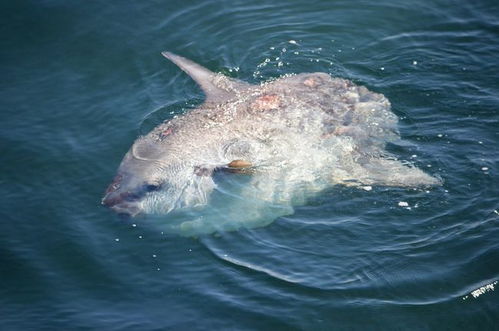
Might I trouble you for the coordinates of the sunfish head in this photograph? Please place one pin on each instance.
(153, 180)
(157, 177)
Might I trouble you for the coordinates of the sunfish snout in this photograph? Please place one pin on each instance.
(122, 202)
(113, 198)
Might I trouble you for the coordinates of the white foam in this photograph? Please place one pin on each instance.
(482, 290)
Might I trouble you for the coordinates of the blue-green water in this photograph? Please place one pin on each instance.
(82, 79)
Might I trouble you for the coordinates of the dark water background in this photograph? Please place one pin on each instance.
(82, 79)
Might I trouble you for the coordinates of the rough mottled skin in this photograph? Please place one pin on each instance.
(300, 134)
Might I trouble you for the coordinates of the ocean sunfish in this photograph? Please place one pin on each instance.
(279, 142)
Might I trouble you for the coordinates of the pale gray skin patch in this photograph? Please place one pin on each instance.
(301, 134)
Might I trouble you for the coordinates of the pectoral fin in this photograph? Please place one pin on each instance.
(239, 164)
(216, 87)
(240, 167)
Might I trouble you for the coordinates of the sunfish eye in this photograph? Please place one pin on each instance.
(152, 187)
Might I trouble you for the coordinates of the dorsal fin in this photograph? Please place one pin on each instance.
(216, 87)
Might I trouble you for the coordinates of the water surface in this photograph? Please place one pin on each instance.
(82, 80)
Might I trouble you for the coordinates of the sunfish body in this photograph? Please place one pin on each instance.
(291, 138)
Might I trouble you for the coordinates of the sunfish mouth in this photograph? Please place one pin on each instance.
(121, 206)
